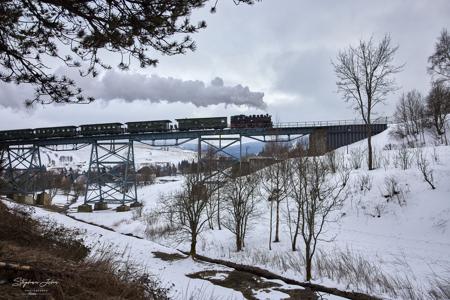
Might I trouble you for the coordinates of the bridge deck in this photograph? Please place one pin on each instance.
(282, 129)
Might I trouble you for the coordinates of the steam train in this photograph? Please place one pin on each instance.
(186, 124)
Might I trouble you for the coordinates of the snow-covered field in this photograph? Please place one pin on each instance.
(406, 239)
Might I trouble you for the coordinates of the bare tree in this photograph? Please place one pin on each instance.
(423, 164)
(275, 184)
(364, 77)
(186, 208)
(209, 166)
(297, 167)
(440, 60)
(403, 158)
(241, 195)
(438, 106)
(410, 115)
(317, 195)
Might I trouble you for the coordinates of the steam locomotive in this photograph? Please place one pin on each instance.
(186, 124)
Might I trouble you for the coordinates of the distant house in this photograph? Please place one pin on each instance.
(260, 162)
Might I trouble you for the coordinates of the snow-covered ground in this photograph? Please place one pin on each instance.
(406, 239)
(409, 241)
(172, 269)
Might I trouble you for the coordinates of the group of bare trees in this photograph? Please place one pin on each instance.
(365, 79)
(313, 197)
(312, 188)
(440, 59)
(187, 209)
(274, 183)
(410, 115)
(415, 113)
(438, 106)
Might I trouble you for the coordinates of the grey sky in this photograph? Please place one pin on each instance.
(282, 49)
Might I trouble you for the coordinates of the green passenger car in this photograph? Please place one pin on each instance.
(52, 132)
(99, 129)
(148, 126)
(202, 123)
(16, 134)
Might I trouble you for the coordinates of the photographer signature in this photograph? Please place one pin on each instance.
(26, 283)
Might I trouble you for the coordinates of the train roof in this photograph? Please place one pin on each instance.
(153, 121)
(182, 119)
(16, 130)
(99, 124)
(56, 127)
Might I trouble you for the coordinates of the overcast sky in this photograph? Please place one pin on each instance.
(274, 57)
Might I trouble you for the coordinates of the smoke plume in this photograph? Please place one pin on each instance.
(138, 87)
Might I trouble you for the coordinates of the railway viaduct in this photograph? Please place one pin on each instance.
(21, 162)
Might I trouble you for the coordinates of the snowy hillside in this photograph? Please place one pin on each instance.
(404, 241)
(394, 246)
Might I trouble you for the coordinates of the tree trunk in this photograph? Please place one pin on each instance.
(218, 208)
(277, 224)
(193, 251)
(238, 242)
(308, 262)
(270, 225)
(294, 240)
(210, 215)
(369, 147)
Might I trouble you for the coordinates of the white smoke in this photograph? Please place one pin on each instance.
(138, 87)
(133, 87)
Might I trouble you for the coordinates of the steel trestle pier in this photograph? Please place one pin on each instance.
(111, 174)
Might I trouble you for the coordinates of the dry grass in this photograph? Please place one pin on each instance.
(42, 251)
(440, 288)
(350, 269)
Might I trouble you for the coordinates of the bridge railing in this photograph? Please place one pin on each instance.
(382, 120)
